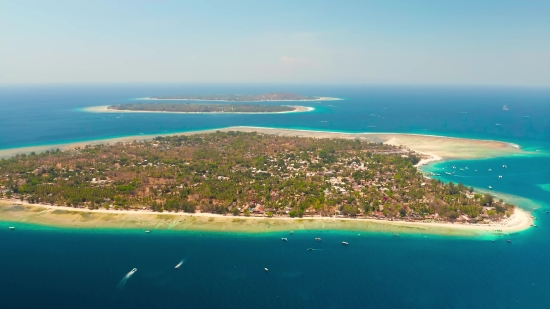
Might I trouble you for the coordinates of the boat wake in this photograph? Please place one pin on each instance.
(122, 282)
(180, 263)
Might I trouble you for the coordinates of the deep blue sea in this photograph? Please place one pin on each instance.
(63, 268)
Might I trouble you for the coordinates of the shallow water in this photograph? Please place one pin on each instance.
(70, 268)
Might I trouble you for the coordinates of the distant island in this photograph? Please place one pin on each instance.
(276, 96)
(205, 108)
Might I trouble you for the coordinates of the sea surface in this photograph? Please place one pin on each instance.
(42, 267)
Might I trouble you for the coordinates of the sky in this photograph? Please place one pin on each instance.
(435, 42)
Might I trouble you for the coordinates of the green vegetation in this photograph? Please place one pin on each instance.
(276, 96)
(201, 108)
(245, 174)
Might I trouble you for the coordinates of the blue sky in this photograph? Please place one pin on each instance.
(314, 42)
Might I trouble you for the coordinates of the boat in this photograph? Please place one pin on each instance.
(504, 166)
(131, 272)
(146, 231)
(291, 232)
(345, 243)
(284, 239)
(396, 235)
(179, 264)
(500, 176)
(309, 249)
(490, 188)
(266, 270)
(508, 240)
(490, 170)
(505, 108)
(12, 228)
(448, 173)
(318, 239)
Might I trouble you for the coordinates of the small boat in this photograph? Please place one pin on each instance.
(508, 240)
(358, 235)
(132, 271)
(500, 176)
(179, 264)
(146, 231)
(291, 232)
(533, 225)
(12, 228)
(490, 170)
(490, 188)
(309, 249)
(504, 166)
(318, 239)
(345, 243)
(396, 235)
(284, 239)
(266, 270)
(448, 173)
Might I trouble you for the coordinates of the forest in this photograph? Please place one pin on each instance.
(246, 174)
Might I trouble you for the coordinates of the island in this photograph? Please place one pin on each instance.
(242, 175)
(276, 96)
(204, 108)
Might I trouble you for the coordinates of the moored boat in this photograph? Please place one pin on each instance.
(345, 243)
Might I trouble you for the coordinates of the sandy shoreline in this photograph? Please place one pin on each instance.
(313, 100)
(433, 148)
(438, 147)
(67, 217)
(105, 109)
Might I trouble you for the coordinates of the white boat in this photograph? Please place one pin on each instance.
(291, 232)
(146, 231)
(500, 176)
(504, 166)
(284, 239)
(448, 173)
(345, 243)
(131, 272)
(318, 239)
(266, 270)
(12, 228)
(179, 264)
(490, 188)
(490, 170)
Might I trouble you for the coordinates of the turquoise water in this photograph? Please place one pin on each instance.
(65, 268)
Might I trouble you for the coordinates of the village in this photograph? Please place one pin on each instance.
(246, 174)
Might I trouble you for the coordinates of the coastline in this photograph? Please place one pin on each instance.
(436, 147)
(105, 109)
(308, 100)
(67, 217)
(432, 148)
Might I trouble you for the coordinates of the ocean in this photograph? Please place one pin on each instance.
(45, 267)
